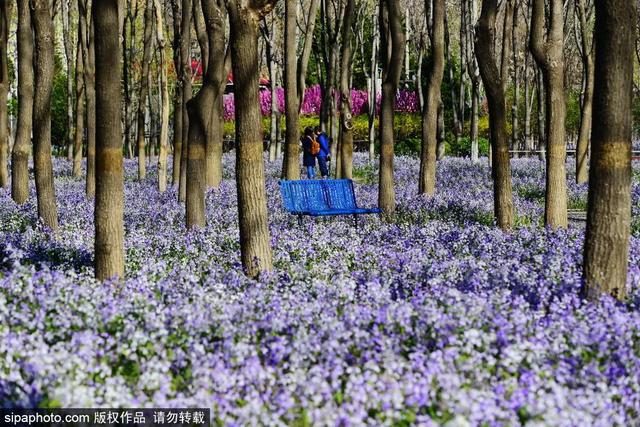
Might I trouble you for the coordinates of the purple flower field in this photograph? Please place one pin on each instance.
(438, 318)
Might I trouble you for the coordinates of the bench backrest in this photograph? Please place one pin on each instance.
(318, 194)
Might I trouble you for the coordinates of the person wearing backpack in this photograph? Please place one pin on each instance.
(324, 153)
(310, 149)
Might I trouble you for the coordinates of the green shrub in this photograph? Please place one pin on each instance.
(462, 147)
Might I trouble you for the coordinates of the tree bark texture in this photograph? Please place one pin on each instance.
(392, 51)
(177, 97)
(66, 11)
(346, 129)
(43, 71)
(185, 78)
(606, 249)
(586, 114)
(22, 146)
(255, 246)
(291, 161)
(109, 201)
(549, 54)
(427, 178)
(88, 55)
(164, 94)
(303, 61)
(144, 90)
(80, 98)
(501, 168)
(203, 114)
(5, 13)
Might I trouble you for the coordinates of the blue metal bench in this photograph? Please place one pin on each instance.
(322, 197)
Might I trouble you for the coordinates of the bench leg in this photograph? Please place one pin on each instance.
(300, 220)
(355, 218)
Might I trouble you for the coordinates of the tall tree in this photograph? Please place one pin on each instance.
(43, 31)
(5, 13)
(427, 180)
(164, 96)
(177, 97)
(606, 248)
(109, 202)
(392, 50)
(66, 12)
(202, 109)
(586, 114)
(346, 129)
(493, 83)
(144, 89)
(291, 161)
(549, 54)
(79, 125)
(255, 247)
(303, 61)
(185, 79)
(88, 55)
(22, 146)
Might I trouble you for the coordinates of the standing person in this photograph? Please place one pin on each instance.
(310, 149)
(323, 154)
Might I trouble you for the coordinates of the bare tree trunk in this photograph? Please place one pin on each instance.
(474, 74)
(22, 146)
(43, 31)
(177, 97)
(255, 247)
(202, 111)
(440, 135)
(164, 94)
(501, 168)
(185, 77)
(516, 79)
(427, 179)
(373, 90)
(201, 34)
(144, 90)
(346, 130)
(392, 49)
(270, 41)
(457, 126)
(291, 163)
(68, 54)
(306, 51)
(606, 248)
(109, 223)
(5, 13)
(528, 104)
(88, 56)
(542, 141)
(80, 98)
(582, 147)
(549, 54)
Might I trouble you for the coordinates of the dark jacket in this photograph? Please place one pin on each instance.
(308, 159)
(323, 139)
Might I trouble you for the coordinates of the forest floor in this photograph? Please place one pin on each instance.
(438, 316)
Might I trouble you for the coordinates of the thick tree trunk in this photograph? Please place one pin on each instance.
(80, 98)
(202, 111)
(164, 95)
(346, 129)
(5, 13)
(185, 78)
(427, 179)
(549, 54)
(291, 162)
(606, 250)
(108, 215)
(22, 146)
(582, 147)
(255, 247)
(501, 168)
(43, 31)
(392, 48)
(144, 90)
